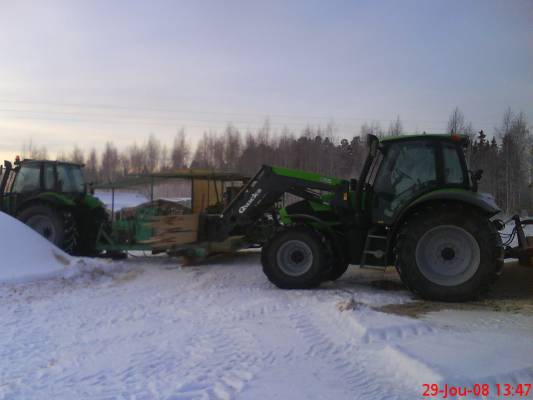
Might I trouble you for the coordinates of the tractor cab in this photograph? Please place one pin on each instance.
(26, 179)
(34, 175)
(401, 170)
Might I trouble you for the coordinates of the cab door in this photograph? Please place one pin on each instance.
(5, 196)
(408, 169)
(27, 183)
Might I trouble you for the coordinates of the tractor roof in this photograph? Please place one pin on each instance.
(463, 139)
(30, 160)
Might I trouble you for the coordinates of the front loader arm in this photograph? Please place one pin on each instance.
(263, 191)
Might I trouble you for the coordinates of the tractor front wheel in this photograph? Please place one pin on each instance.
(55, 226)
(338, 269)
(448, 253)
(338, 263)
(295, 259)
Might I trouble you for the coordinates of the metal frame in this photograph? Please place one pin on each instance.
(106, 242)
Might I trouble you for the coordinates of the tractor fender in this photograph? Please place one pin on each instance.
(323, 227)
(48, 198)
(93, 202)
(484, 202)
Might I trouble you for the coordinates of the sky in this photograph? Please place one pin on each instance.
(86, 72)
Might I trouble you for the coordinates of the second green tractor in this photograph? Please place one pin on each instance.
(52, 198)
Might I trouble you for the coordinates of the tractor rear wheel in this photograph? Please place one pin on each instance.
(448, 253)
(57, 227)
(295, 259)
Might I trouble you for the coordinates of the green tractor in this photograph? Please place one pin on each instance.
(52, 198)
(414, 206)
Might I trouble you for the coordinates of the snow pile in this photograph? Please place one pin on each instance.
(26, 256)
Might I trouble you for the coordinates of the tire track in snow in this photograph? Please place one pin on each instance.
(223, 363)
(350, 361)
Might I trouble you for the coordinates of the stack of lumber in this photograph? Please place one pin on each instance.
(173, 230)
(162, 207)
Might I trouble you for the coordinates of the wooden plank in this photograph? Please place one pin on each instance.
(170, 240)
(173, 230)
(185, 222)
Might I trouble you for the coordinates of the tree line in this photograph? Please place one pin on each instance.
(506, 156)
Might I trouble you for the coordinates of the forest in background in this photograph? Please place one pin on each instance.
(505, 156)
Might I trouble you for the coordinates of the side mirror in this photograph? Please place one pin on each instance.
(476, 177)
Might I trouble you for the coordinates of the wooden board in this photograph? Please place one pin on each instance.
(182, 222)
(173, 230)
(167, 241)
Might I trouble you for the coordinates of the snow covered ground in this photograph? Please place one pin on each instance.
(146, 328)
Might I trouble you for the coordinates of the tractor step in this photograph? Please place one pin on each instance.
(376, 247)
(377, 237)
(375, 253)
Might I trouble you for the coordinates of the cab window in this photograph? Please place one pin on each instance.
(408, 168)
(49, 177)
(70, 178)
(453, 171)
(28, 179)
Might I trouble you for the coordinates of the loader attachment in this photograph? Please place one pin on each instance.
(260, 195)
(524, 251)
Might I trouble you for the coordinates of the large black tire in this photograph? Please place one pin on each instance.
(337, 260)
(448, 253)
(338, 268)
(295, 258)
(525, 261)
(56, 226)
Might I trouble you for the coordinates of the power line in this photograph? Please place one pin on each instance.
(129, 119)
(246, 115)
(171, 110)
(346, 127)
(151, 121)
(207, 125)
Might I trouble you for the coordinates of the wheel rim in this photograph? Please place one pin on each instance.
(43, 225)
(294, 258)
(447, 255)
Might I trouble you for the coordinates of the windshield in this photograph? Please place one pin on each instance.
(70, 178)
(28, 179)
